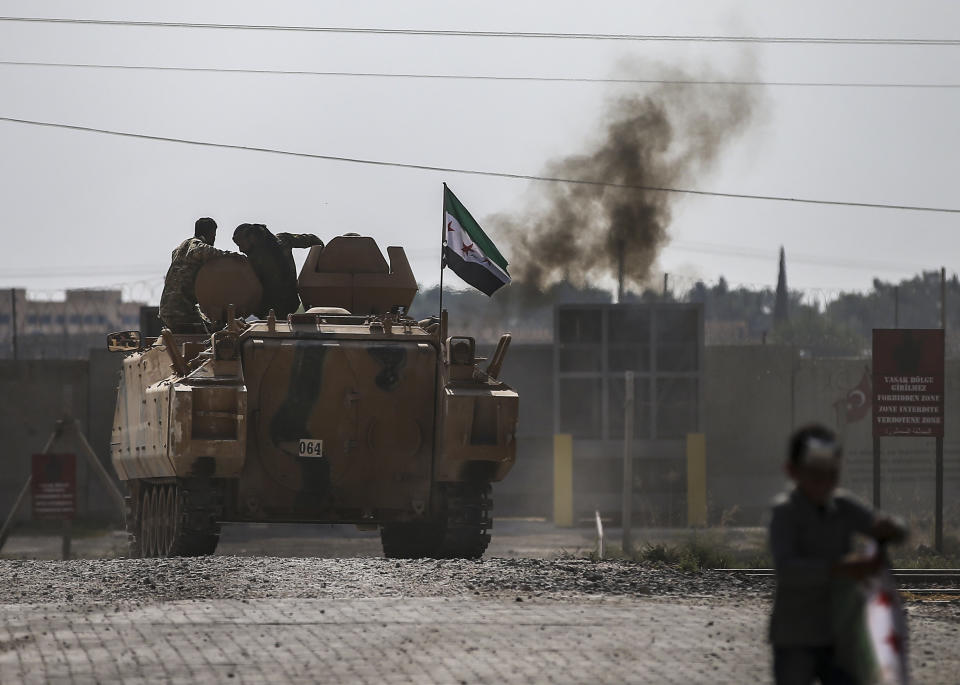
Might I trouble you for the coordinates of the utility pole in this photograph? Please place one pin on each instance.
(896, 306)
(13, 320)
(620, 273)
(627, 504)
(938, 504)
(943, 298)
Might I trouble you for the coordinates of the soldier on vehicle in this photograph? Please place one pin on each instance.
(271, 257)
(178, 303)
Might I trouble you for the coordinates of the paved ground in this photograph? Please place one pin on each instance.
(434, 640)
(439, 640)
(243, 617)
(355, 621)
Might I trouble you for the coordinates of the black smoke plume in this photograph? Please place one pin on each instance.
(667, 136)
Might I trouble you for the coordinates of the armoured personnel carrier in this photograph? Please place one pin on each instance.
(350, 412)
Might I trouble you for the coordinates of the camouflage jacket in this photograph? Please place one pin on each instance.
(274, 266)
(179, 299)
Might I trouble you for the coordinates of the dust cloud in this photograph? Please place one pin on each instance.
(669, 135)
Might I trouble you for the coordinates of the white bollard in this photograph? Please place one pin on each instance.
(596, 513)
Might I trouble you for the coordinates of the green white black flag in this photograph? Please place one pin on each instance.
(467, 249)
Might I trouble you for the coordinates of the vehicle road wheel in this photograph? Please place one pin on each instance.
(174, 519)
(147, 521)
(195, 511)
(460, 531)
(410, 540)
(133, 517)
(166, 519)
(467, 520)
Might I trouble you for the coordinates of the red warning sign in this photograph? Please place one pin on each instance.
(908, 382)
(54, 486)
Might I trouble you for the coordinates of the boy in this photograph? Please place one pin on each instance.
(811, 539)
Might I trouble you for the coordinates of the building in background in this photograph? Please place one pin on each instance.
(62, 329)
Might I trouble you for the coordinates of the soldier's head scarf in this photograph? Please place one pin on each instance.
(254, 236)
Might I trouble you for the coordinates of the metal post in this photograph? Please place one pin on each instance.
(5, 530)
(943, 298)
(896, 306)
(94, 461)
(876, 471)
(938, 513)
(443, 247)
(67, 538)
(620, 272)
(13, 321)
(563, 480)
(627, 462)
(599, 522)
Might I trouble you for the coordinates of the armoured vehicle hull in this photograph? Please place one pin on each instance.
(330, 417)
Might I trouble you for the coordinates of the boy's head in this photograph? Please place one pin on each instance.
(813, 461)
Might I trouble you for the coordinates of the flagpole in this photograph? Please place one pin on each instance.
(443, 244)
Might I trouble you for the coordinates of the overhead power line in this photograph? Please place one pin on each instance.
(839, 40)
(474, 172)
(795, 257)
(77, 271)
(760, 254)
(479, 77)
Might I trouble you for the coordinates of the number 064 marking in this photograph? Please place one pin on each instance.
(311, 448)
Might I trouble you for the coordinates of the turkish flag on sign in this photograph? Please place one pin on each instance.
(856, 404)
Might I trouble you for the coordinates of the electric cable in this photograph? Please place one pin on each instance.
(476, 172)
(794, 257)
(460, 33)
(482, 77)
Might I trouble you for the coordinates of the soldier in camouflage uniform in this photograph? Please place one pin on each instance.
(178, 303)
(271, 257)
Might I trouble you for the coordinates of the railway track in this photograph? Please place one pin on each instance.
(929, 581)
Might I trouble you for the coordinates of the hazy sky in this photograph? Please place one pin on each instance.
(81, 209)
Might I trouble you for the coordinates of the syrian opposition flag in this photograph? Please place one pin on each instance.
(870, 627)
(467, 249)
(888, 628)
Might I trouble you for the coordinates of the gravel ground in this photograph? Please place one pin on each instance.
(239, 578)
(97, 581)
(226, 577)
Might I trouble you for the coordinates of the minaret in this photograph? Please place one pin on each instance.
(781, 313)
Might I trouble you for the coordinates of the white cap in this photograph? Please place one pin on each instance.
(821, 453)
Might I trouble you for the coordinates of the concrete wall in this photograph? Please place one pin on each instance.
(528, 488)
(747, 417)
(33, 395)
(753, 397)
(756, 395)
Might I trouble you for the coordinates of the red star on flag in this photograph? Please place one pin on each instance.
(895, 642)
(884, 599)
(466, 249)
(450, 226)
